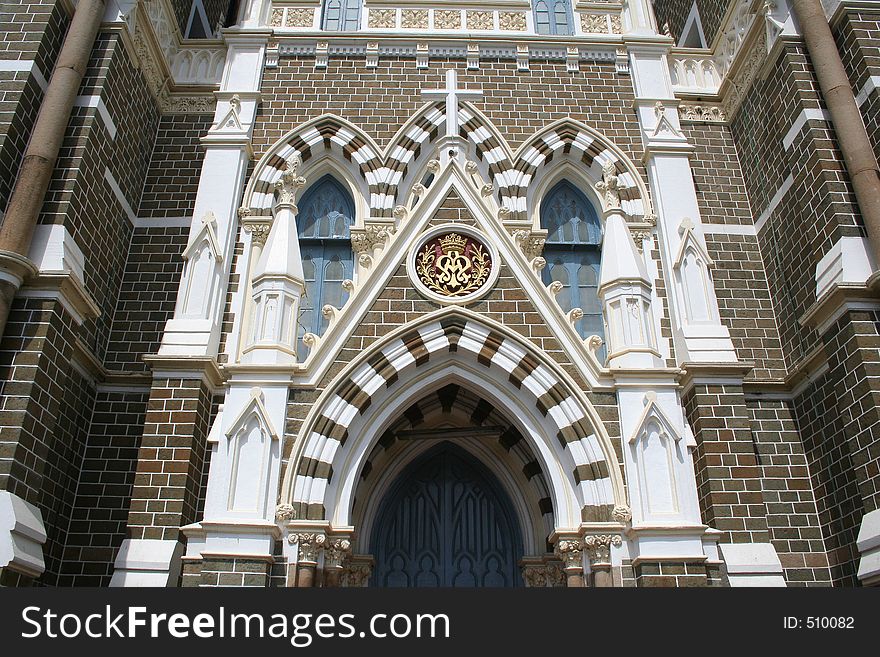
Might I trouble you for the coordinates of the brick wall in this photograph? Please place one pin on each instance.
(792, 517)
(30, 31)
(103, 493)
(728, 476)
(147, 296)
(675, 13)
(171, 459)
(79, 195)
(856, 35)
(172, 178)
(815, 212)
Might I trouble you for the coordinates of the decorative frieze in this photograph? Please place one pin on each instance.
(414, 19)
(479, 20)
(701, 113)
(542, 575)
(512, 21)
(447, 19)
(383, 18)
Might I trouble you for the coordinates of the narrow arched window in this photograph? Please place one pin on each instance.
(326, 213)
(573, 253)
(342, 15)
(552, 16)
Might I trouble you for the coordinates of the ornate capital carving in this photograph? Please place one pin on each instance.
(310, 545)
(364, 240)
(291, 182)
(571, 552)
(609, 187)
(259, 232)
(598, 548)
(543, 575)
(335, 551)
(356, 574)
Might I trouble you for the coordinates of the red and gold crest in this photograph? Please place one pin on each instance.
(453, 264)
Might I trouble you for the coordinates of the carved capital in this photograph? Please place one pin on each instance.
(335, 552)
(530, 243)
(310, 545)
(259, 232)
(571, 552)
(364, 240)
(543, 575)
(356, 574)
(598, 548)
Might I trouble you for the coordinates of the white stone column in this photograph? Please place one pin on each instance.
(624, 288)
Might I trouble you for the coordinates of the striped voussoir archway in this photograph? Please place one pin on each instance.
(552, 397)
(513, 177)
(382, 173)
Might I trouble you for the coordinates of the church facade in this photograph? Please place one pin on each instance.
(351, 293)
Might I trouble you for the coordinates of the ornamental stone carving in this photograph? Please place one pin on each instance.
(310, 545)
(291, 182)
(414, 19)
(356, 575)
(594, 23)
(531, 244)
(300, 17)
(609, 187)
(571, 552)
(622, 514)
(598, 547)
(276, 18)
(366, 240)
(335, 551)
(702, 113)
(383, 18)
(479, 20)
(616, 24)
(447, 19)
(543, 575)
(512, 21)
(284, 512)
(258, 232)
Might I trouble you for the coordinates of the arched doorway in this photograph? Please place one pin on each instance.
(446, 521)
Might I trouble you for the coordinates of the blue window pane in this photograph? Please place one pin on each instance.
(573, 253)
(552, 17)
(324, 222)
(342, 15)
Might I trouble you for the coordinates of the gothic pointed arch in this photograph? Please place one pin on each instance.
(350, 416)
(568, 141)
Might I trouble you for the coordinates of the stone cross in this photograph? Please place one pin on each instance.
(452, 94)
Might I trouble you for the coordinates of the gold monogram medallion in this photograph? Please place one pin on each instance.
(453, 264)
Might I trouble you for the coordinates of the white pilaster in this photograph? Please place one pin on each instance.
(698, 334)
(194, 330)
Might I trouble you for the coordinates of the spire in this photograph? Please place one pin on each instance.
(281, 255)
(621, 261)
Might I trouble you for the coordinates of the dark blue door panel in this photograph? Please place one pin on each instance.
(446, 522)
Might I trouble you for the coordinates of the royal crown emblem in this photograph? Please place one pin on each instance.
(453, 264)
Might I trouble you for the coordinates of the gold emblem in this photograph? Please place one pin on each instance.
(453, 265)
